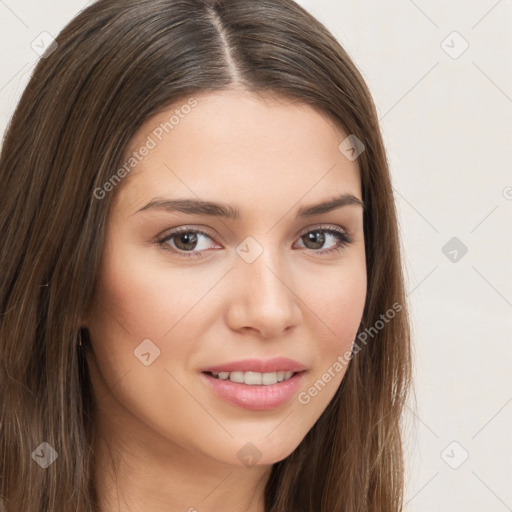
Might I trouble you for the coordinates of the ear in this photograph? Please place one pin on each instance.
(82, 320)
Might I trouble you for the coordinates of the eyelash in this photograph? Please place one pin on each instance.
(343, 237)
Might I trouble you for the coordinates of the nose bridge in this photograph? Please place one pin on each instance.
(263, 273)
(265, 298)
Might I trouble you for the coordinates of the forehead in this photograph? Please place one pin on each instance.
(239, 148)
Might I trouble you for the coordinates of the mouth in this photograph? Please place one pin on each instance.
(254, 391)
(254, 378)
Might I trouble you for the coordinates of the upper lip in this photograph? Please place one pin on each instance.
(258, 365)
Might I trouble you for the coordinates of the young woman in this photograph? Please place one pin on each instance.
(202, 299)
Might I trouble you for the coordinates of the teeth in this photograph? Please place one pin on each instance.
(254, 378)
(236, 377)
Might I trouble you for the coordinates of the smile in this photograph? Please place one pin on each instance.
(251, 393)
(254, 378)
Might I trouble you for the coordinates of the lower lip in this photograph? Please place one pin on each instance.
(257, 397)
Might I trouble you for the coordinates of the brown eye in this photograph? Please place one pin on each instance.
(185, 242)
(316, 239)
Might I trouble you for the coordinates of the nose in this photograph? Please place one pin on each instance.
(263, 297)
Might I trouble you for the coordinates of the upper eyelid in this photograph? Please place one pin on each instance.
(321, 227)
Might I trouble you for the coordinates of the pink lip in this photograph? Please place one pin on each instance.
(258, 365)
(257, 397)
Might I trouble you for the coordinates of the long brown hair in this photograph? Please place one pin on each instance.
(116, 64)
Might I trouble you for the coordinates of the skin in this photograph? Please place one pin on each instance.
(174, 442)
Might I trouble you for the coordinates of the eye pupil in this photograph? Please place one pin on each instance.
(317, 237)
(184, 239)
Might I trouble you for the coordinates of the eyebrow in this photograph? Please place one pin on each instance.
(199, 207)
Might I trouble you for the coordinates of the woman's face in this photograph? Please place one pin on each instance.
(254, 298)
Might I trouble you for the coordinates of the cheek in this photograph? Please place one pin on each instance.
(340, 303)
(146, 296)
(344, 309)
(338, 309)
